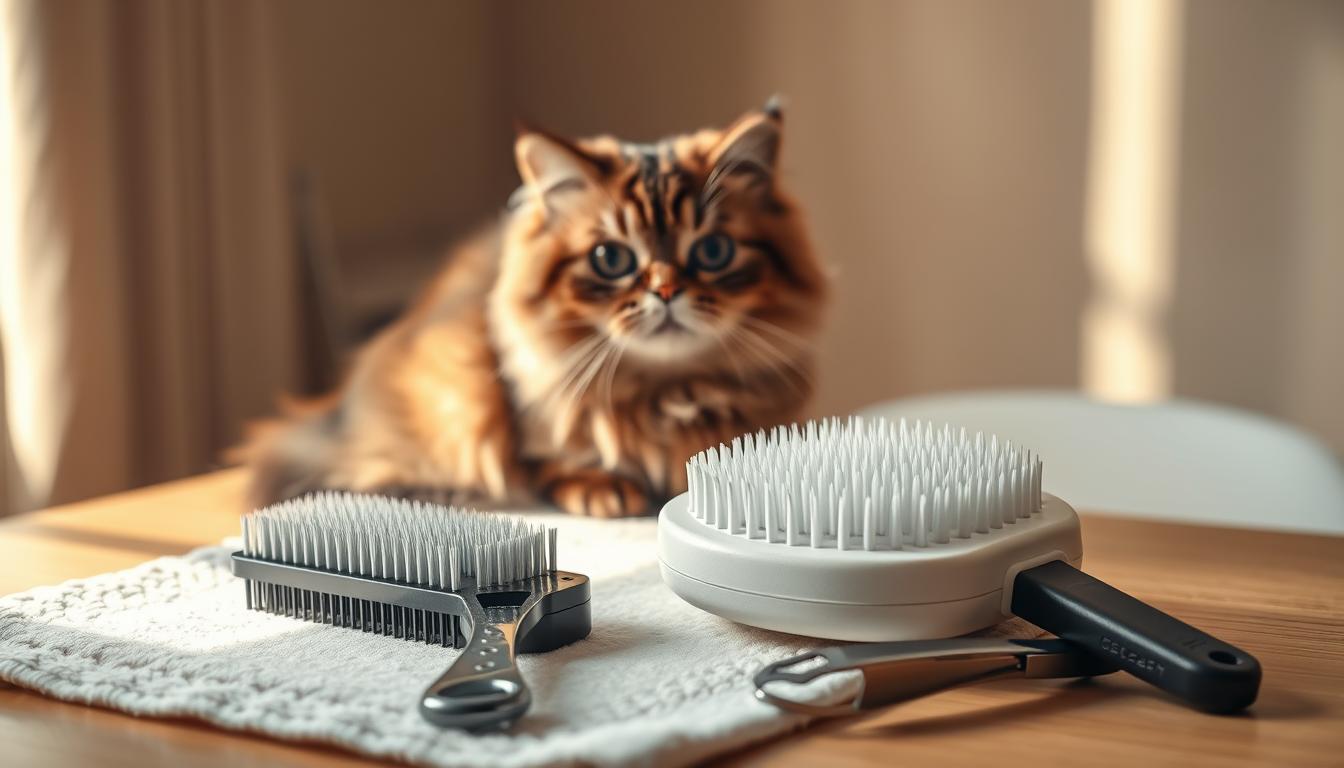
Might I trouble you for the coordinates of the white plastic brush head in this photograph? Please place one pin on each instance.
(399, 540)
(860, 484)
(862, 529)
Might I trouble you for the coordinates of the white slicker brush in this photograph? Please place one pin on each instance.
(880, 531)
(862, 529)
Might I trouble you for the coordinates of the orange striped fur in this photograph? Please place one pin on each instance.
(637, 304)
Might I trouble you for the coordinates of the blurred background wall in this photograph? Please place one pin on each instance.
(1137, 198)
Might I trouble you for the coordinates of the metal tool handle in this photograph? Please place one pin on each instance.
(895, 672)
(482, 688)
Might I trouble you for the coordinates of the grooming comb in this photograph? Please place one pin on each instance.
(878, 531)
(485, 583)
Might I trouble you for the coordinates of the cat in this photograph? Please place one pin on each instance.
(637, 304)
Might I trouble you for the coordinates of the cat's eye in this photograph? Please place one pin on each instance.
(712, 253)
(611, 260)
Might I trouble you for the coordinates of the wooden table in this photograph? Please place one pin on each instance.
(1280, 596)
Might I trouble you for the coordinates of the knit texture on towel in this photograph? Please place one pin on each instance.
(657, 681)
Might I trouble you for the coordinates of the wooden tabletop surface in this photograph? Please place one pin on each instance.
(1279, 596)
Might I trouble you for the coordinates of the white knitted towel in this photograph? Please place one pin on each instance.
(657, 681)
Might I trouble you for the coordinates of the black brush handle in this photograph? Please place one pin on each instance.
(1172, 655)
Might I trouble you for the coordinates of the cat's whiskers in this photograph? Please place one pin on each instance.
(574, 363)
(568, 411)
(552, 328)
(571, 354)
(576, 356)
(629, 320)
(711, 312)
(590, 373)
(740, 345)
(589, 363)
(788, 337)
(592, 369)
(764, 345)
(610, 381)
(773, 359)
(728, 353)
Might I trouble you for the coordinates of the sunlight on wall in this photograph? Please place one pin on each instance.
(32, 267)
(1314, 356)
(1131, 197)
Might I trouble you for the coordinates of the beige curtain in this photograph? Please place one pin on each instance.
(146, 275)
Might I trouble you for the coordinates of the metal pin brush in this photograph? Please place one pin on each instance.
(417, 571)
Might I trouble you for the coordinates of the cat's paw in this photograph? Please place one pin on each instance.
(597, 494)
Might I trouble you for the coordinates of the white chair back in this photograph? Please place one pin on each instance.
(1180, 460)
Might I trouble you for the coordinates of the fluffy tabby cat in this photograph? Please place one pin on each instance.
(638, 303)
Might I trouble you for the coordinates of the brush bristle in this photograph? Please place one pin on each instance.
(399, 540)
(863, 484)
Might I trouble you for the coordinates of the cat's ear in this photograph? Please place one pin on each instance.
(752, 141)
(745, 157)
(550, 167)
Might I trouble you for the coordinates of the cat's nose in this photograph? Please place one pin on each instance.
(667, 291)
(663, 281)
